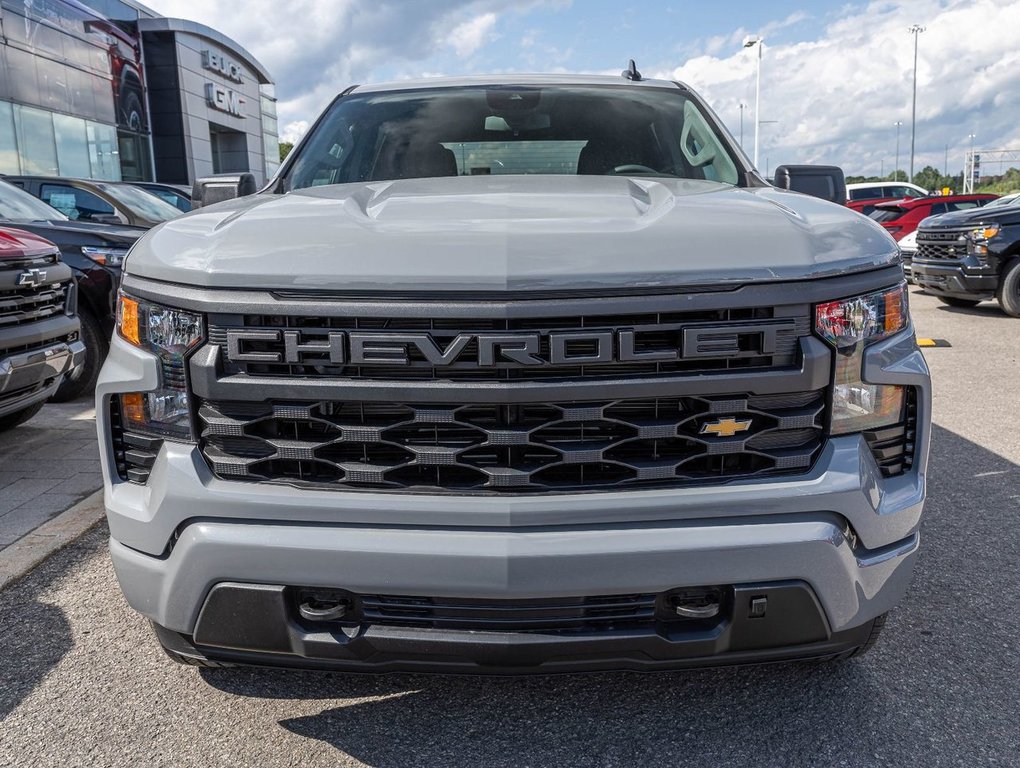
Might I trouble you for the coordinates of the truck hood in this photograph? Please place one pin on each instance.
(114, 234)
(511, 233)
(1007, 214)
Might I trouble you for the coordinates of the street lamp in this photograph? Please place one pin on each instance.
(915, 30)
(968, 182)
(749, 42)
(896, 168)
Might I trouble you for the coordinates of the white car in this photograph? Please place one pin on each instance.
(883, 190)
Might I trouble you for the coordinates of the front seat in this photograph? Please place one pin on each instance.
(430, 160)
(598, 159)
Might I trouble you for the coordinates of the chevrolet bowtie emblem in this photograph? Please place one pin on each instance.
(725, 427)
(32, 278)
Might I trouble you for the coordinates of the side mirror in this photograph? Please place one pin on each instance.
(216, 189)
(824, 181)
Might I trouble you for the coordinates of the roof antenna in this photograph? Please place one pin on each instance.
(631, 72)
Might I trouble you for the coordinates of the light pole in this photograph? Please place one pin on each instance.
(915, 30)
(743, 106)
(968, 181)
(896, 168)
(749, 42)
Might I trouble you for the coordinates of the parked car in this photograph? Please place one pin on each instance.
(883, 190)
(966, 257)
(901, 217)
(499, 416)
(39, 333)
(1013, 198)
(177, 195)
(95, 253)
(101, 202)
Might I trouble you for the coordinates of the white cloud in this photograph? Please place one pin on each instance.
(294, 130)
(467, 37)
(835, 93)
(837, 97)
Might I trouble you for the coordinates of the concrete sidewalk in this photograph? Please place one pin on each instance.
(47, 466)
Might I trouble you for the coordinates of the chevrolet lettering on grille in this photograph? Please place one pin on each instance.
(535, 348)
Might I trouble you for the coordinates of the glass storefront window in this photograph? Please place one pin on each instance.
(34, 129)
(72, 146)
(104, 152)
(9, 160)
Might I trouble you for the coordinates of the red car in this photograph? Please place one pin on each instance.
(901, 217)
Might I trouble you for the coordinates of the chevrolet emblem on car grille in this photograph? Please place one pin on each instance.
(725, 427)
(32, 278)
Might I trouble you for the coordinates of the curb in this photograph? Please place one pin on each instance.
(31, 549)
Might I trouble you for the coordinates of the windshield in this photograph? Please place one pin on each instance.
(482, 131)
(17, 205)
(141, 203)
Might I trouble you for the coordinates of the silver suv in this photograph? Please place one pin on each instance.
(521, 374)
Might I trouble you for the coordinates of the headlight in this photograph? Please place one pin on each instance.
(984, 233)
(170, 334)
(850, 325)
(108, 257)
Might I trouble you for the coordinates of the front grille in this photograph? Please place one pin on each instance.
(652, 332)
(513, 448)
(599, 613)
(941, 244)
(19, 306)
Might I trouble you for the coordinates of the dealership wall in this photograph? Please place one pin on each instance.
(110, 90)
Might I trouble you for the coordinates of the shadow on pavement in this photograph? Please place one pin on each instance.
(34, 635)
(941, 681)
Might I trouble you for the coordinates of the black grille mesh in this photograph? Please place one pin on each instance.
(513, 448)
(19, 306)
(941, 244)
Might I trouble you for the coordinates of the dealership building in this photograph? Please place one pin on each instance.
(108, 89)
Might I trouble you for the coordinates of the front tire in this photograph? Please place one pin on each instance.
(954, 301)
(1009, 289)
(12, 420)
(83, 378)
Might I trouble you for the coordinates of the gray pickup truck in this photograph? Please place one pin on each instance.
(515, 374)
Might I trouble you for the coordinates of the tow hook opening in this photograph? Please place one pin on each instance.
(324, 606)
(696, 603)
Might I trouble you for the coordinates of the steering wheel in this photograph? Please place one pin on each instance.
(633, 168)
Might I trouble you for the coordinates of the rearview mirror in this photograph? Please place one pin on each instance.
(824, 181)
(216, 189)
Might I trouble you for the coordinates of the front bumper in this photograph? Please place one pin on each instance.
(32, 376)
(955, 278)
(845, 532)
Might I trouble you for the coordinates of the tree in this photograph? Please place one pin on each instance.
(285, 148)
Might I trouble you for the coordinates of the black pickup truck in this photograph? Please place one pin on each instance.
(95, 253)
(39, 332)
(968, 256)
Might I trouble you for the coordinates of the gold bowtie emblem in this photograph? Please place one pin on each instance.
(725, 427)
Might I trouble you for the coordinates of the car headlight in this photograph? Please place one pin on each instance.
(850, 325)
(108, 257)
(170, 334)
(984, 233)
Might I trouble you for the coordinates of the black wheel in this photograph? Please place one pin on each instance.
(953, 301)
(11, 420)
(132, 111)
(1009, 289)
(83, 378)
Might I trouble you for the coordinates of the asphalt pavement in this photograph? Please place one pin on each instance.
(82, 681)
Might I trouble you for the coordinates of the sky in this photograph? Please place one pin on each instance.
(836, 76)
